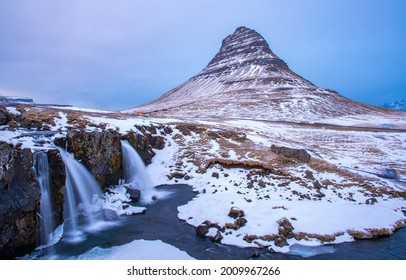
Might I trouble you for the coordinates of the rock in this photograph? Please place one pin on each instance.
(187, 177)
(99, 152)
(178, 175)
(209, 224)
(285, 228)
(109, 215)
(57, 179)
(215, 175)
(261, 184)
(239, 222)
(217, 238)
(371, 201)
(309, 175)
(60, 142)
(317, 185)
(143, 144)
(236, 212)
(299, 154)
(4, 116)
(201, 230)
(19, 201)
(159, 142)
(281, 242)
(135, 195)
(168, 130)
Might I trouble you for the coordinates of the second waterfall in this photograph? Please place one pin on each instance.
(81, 194)
(135, 173)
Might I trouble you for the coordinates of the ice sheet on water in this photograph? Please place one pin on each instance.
(310, 251)
(137, 250)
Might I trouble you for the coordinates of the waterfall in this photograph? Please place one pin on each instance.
(47, 222)
(135, 173)
(81, 193)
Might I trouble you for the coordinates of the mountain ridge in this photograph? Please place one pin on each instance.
(246, 79)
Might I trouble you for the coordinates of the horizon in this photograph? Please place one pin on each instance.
(115, 57)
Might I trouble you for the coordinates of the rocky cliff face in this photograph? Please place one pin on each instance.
(19, 198)
(99, 152)
(246, 79)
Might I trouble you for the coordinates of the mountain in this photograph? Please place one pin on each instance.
(246, 79)
(396, 105)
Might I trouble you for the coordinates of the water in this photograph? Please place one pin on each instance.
(81, 194)
(135, 173)
(46, 221)
(160, 222)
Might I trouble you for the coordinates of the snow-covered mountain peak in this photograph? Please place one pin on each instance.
(245, 79)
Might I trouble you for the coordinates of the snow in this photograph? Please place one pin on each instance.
(72, 108)
(122, 125)
(137, 250)
(13, 110)
(61, 122)
(116, 200)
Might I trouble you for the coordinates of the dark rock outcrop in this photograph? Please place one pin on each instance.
(4, 116)
(99, 152)
(57, 178)
(143, 144)
(299, 154)
(19, 201)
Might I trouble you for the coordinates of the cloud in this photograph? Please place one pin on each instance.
(83, 51)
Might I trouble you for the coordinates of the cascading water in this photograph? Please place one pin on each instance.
(81, 193)
(47, 222)
(135, 173)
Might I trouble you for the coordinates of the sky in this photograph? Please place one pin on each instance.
(118, 54)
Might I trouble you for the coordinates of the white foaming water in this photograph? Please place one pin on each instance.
(135, 173)
(47, 222)
(82, 193)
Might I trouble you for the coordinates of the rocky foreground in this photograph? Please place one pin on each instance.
(259, 183)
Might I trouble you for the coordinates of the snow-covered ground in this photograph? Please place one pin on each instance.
(136, 250)
(331, 199)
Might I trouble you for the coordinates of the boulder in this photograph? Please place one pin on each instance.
(299, 154)
(285, 228)
(239, 222)
(371, 201)
(217, 238)
(281, 242)
(309, 175)
(236, 212)
(201, 230)
(135, 195)
(215, 175)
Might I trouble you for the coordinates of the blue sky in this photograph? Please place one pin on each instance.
(118, 54)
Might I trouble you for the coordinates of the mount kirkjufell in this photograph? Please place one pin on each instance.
(246, 79)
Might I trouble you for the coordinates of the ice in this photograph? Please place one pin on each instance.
(137, 250)
(310, 251)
